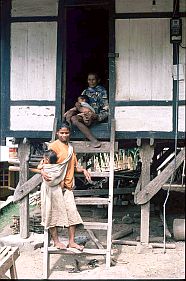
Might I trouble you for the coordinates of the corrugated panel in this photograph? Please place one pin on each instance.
(145, 6)
(144, 66)
(143, 118)
(32, 118)
(26, 8)
(33, 60)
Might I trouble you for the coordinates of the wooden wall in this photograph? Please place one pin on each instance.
(33, 60)
(145, 59)
(33, 66)
(144, 68)
(144, 118)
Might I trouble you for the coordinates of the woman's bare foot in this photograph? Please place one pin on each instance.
(76, 246)
(96, 144)
(60, 246)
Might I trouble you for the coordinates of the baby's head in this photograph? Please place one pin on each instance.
(50, 157)
(83, 98)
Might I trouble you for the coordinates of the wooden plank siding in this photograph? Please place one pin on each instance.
(145, 60)
(144, 101)
(26, 8)
(33, 61)
(143, 118)
(33, 74)
(145, 6)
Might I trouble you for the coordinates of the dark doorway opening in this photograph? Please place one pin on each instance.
(87, 44)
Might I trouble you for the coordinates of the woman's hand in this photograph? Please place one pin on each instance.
(87, 175)
(85, 172)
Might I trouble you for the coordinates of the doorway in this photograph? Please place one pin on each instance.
(87, 47)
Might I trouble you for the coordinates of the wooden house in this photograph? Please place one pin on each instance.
(137, 47)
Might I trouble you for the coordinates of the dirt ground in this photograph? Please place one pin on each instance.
(129, 262)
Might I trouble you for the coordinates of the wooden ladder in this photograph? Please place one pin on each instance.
(84, 147)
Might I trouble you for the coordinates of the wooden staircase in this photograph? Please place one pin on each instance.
(84, 147)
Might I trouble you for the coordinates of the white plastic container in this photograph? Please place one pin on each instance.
(179, 229)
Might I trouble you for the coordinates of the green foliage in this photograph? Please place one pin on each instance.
(8, 212)
(134, 153)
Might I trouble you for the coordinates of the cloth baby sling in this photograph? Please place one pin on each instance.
(53, 211)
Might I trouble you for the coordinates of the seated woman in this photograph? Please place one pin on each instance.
(98, 100)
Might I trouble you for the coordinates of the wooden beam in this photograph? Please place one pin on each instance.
(17, 169)
(111, 188)
(138, 188)
(94, 239)
(54, 129)
(24, 189)
(90, 192)
(156, 184)
(124, 232)
(146, 154)
(85, 146)
(95, 225)
(153, 245)
(174, 187)
(162, 158)
(70, 251)
(23, 155)
(91, 201)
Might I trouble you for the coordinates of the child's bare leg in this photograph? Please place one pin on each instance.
(55, 238)
(88, 134)
(68, 115)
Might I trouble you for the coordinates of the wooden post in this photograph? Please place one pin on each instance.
(111, 191)
(146, 154)
(46, 256)
(23, 155)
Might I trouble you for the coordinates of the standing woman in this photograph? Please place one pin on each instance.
(58, 206)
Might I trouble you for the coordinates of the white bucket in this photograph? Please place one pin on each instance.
(179, 229)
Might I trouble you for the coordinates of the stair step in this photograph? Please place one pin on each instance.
(95, 225)
(85, 147)
(100, 174)
(174, 187)
(68, 251)
(91, 201)
(101, 192)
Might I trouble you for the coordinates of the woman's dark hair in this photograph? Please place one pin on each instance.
(95, 74)
(63, 124)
